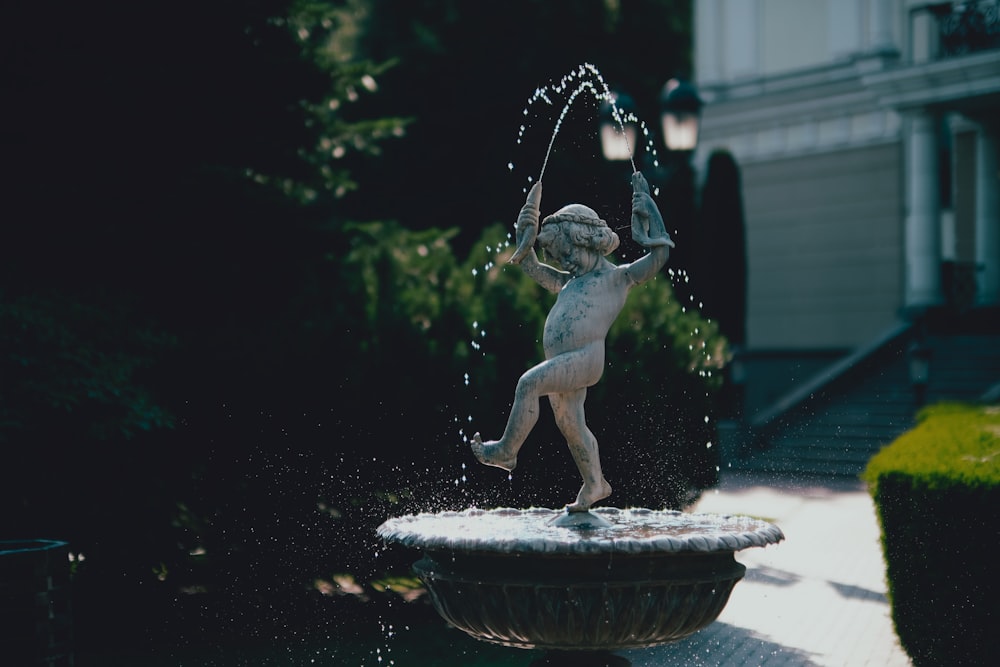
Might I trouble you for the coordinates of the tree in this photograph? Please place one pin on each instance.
(721, 269)
(170, 167)
(188, 175)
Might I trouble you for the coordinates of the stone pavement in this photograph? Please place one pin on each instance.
(817, 598)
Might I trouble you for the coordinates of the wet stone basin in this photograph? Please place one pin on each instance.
(517, 578)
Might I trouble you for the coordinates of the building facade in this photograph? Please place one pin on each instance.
(867, 135)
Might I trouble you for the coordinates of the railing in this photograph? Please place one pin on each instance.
(966, 27)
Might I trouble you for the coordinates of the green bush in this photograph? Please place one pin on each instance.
(937, 493)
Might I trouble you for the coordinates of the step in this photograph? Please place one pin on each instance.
(789, 466)
(838, 431)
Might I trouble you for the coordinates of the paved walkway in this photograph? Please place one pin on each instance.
(818, 598)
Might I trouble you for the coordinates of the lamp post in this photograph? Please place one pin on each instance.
(680, 115)
(679, 120)
(618, 135)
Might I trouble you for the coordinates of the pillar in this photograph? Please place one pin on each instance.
(987, 218)
(880, 27)
(922, 234)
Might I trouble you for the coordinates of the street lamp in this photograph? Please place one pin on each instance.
(680, 114)
(618, 135)
(680, 117)
(920, 369)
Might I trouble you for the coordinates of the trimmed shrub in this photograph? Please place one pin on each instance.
(937, 493)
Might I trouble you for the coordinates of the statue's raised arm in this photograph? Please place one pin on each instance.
(526, 232)
(647, 229)
(526, 227)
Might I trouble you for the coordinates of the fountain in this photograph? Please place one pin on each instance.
(580, 581)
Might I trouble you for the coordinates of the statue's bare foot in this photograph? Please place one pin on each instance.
(590, 494)
(491, 454)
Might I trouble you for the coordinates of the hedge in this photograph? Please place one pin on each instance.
(937, 494)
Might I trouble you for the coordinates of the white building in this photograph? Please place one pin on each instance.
(867, 135)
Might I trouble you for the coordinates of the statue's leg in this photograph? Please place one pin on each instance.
(561, 373)
(569, 414)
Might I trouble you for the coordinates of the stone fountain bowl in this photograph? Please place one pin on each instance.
(611, 579)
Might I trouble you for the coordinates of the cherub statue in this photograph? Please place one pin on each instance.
(591, 292)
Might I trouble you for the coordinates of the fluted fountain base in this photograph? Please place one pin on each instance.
(579, 603)
(625, 579)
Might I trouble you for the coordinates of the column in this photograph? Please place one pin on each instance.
(923, 37)
(709, 43)
(740, 33)
(880, 31)
(843, 34)
(987, 218)
(922, 234)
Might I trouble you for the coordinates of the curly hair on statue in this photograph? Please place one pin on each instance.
(582, 226)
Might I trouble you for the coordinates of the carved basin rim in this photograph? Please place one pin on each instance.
(530, 531)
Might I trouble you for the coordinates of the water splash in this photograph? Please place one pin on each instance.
(585, 78)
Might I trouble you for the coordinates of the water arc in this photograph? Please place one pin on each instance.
(590, 80)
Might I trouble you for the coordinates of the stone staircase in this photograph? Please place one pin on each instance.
(835, 425)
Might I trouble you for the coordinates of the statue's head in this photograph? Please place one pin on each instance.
(582, 226)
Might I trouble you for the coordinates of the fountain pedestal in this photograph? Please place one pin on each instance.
(579, 602)
(517, 578)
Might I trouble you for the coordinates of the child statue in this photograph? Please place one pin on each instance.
(591, 292)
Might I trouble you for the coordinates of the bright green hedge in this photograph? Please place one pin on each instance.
(937, 492)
